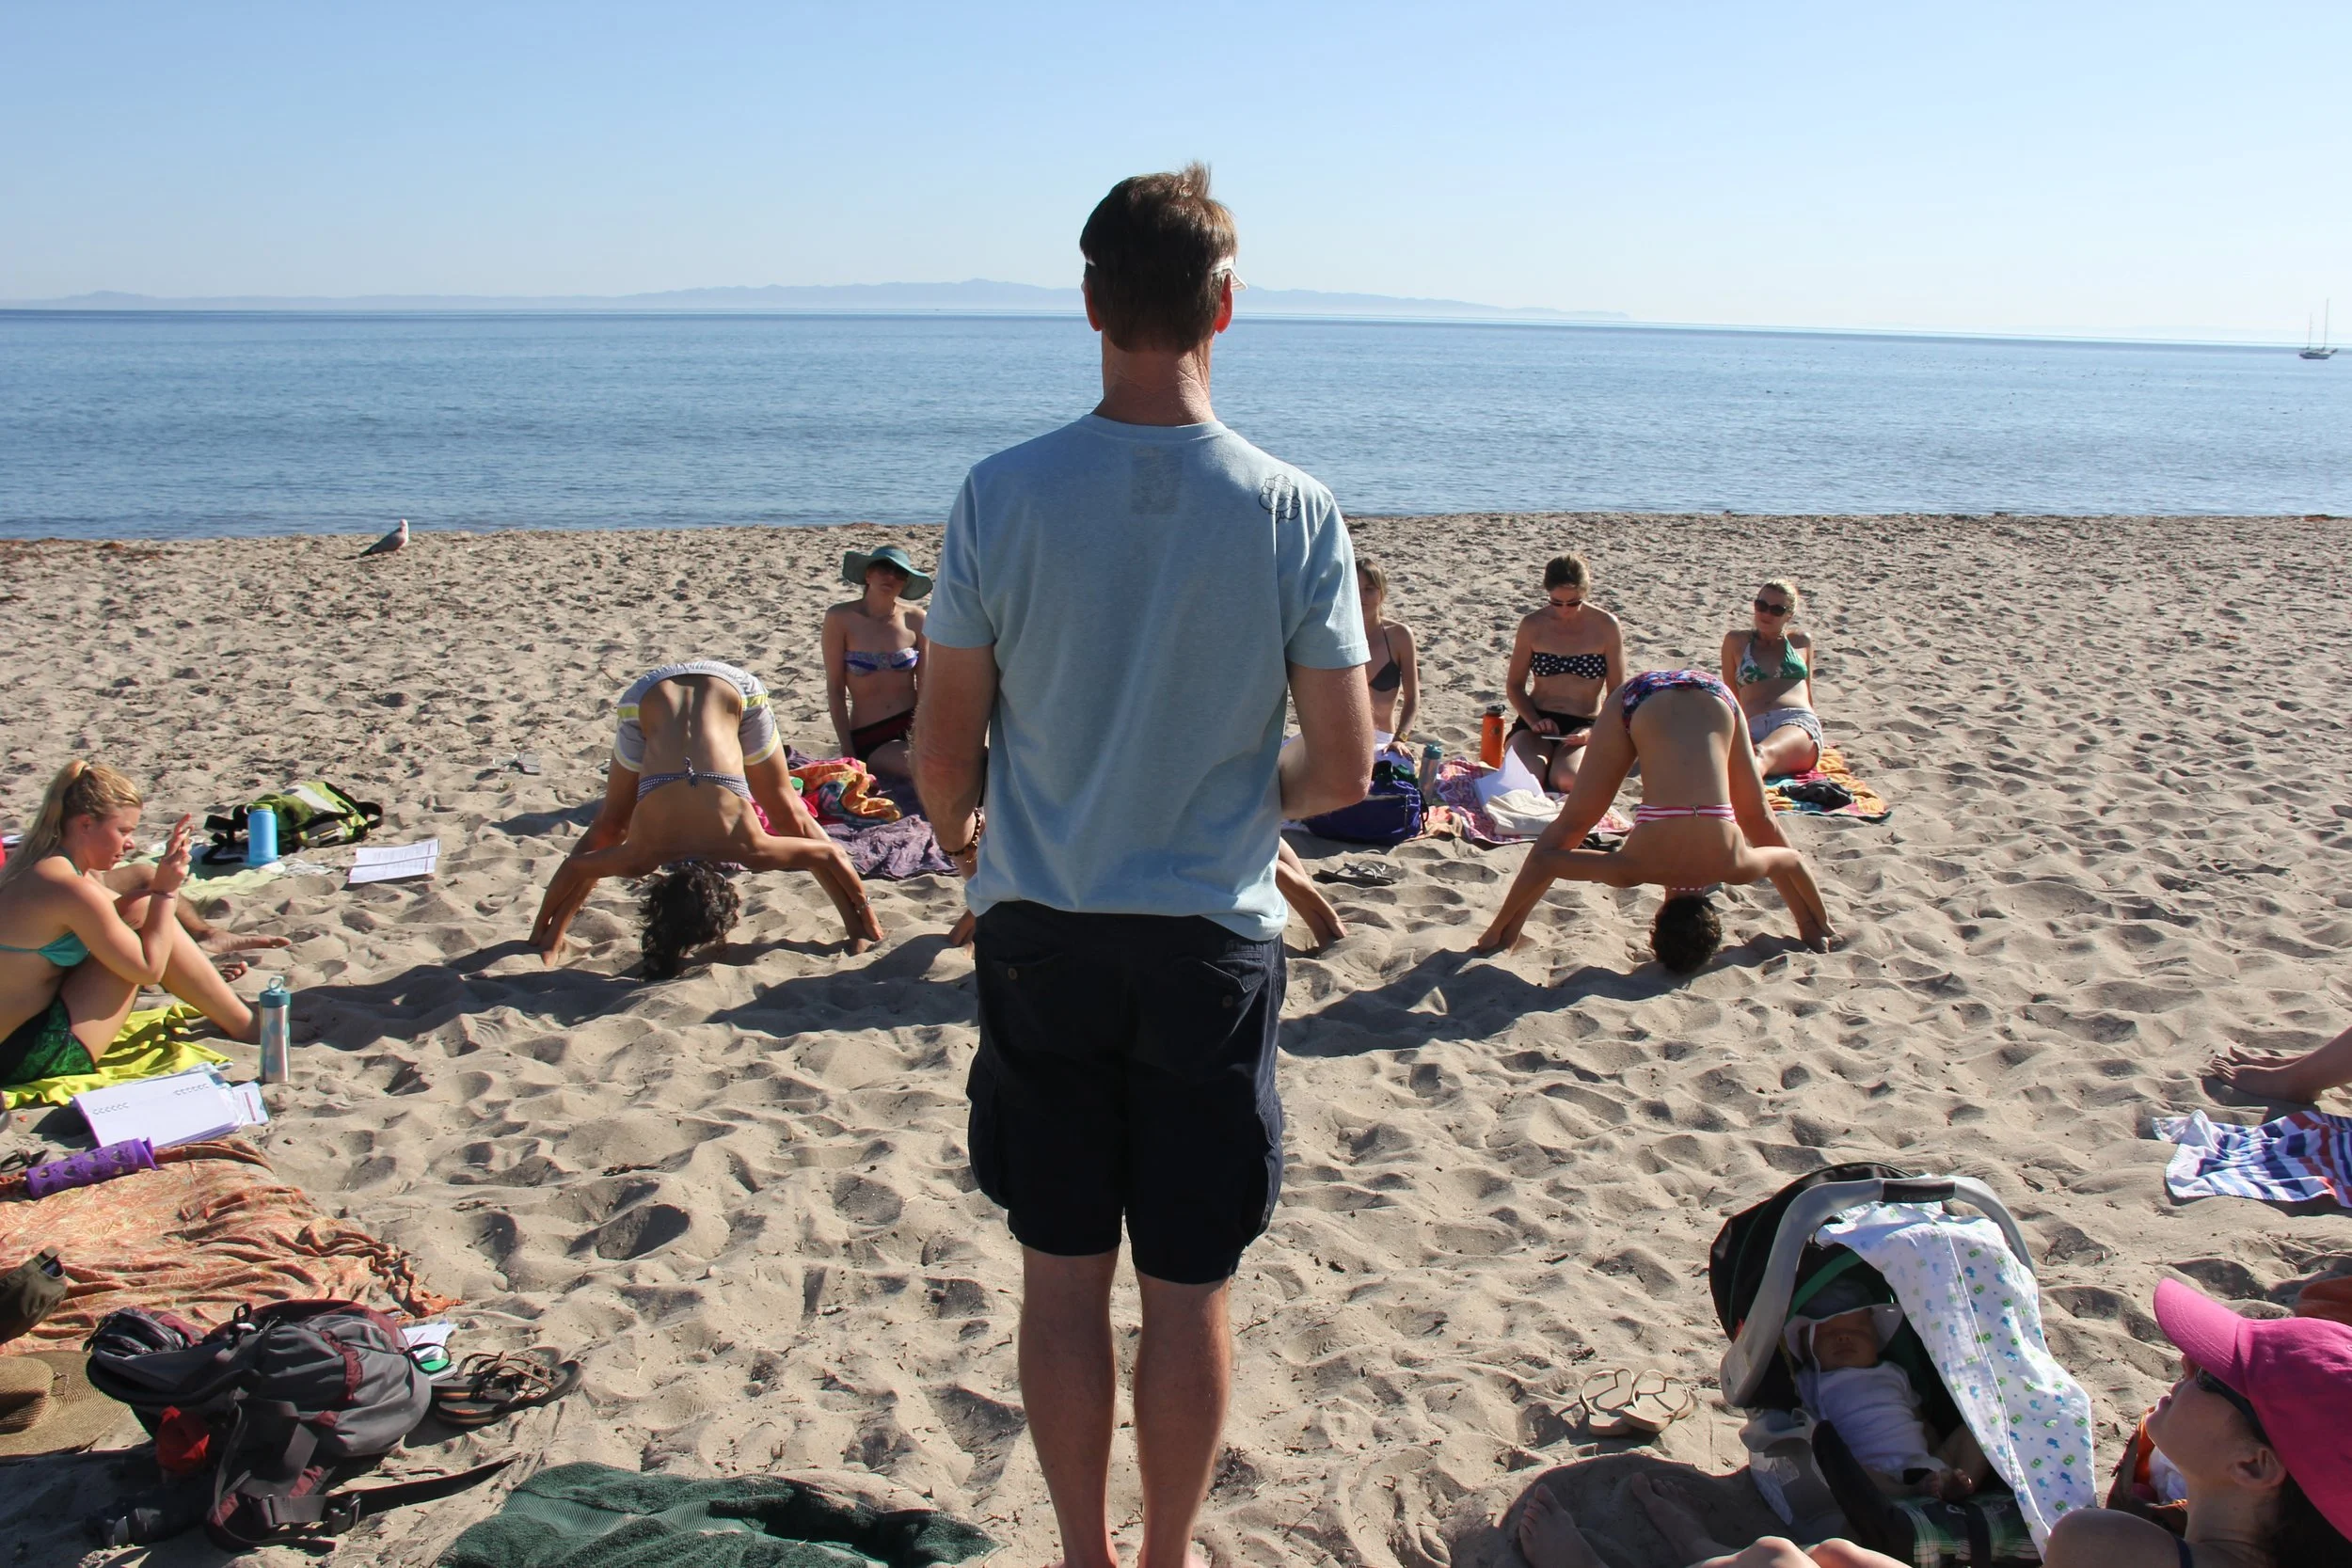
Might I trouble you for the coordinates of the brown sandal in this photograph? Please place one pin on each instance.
(489, 1387)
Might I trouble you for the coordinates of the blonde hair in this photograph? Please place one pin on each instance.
(80, 789)
(1796, 600)
(1370, 575)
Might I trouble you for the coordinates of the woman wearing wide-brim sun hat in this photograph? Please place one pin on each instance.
(47, 1406)
(873, 648)
(2258, 1428)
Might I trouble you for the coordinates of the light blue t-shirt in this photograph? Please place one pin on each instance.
(1144, 587)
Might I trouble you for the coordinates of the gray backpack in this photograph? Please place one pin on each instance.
(286, 1394)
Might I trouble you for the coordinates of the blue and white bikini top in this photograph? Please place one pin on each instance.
(870, 664)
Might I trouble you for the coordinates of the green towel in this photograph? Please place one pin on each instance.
(595, 1516)
(151, 1043)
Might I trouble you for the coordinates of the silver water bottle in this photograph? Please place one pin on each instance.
(276, 1030)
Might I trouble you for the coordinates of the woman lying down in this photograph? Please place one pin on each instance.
(1703, 819)
(698, 779)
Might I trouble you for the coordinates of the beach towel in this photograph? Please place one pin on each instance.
(891, 851)
(841, 791)
(1976, 1308)
(2295, 1159)
(1867, 804)
(151, 1042)
(1457, 786)
(595, 1516)
(208, 1231)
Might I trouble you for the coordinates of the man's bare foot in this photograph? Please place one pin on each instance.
(1670, 1512)
(968, 924)
(1548, 1535)
(2270, 1076)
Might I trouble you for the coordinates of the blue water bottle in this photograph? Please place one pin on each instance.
(275, 1007)
(261, 836)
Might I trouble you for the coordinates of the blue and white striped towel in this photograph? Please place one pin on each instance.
(2296, 1158)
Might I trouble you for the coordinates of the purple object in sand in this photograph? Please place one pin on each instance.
(90, 1167)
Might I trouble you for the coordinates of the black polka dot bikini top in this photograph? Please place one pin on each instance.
(1592, 667)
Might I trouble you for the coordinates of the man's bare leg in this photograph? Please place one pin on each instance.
(1068, 1381)
(1184, 1380)
(1669, 1513)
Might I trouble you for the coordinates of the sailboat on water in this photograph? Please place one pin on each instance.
(2318, 350)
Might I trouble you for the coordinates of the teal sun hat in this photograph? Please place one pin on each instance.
(854, 564)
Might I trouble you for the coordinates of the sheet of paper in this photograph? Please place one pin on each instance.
(248, 1099)
(427, 1334)
(184, 1107)
(387, 862)
(1513, 774)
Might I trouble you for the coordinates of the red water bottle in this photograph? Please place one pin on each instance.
(1490, 737)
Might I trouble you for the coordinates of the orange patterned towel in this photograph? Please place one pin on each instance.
(205, 1232)
(841, 790)
(1867, 804)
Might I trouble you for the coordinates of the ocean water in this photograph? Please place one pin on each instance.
(188, 425)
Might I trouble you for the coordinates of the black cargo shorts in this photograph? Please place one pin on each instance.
(1126, 1072)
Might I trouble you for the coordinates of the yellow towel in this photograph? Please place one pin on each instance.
(151, 1043)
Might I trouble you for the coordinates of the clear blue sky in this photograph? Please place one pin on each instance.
(2038, 167)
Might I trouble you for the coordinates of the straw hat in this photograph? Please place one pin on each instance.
(47, 1404)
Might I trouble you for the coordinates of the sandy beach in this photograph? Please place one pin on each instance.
(2116, 751)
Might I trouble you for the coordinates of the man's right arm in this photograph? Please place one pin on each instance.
(951, 740)
(1332, 765)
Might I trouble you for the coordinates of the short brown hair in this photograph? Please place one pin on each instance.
(1567, 571)
(1157, 249)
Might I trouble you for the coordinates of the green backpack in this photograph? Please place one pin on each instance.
(310, 815)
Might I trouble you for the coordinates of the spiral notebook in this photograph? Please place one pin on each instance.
(182, 1108)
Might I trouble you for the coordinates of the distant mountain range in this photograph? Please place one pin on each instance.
(978, 295)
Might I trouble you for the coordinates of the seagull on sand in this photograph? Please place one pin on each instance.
(390, 542)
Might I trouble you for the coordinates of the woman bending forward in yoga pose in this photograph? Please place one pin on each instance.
(697, 779)
(1703, 819)
(73, 950)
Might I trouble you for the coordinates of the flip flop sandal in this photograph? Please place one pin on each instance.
(1608, 1393)
(489, 1387)
(1361, 874)
(1657, 1402)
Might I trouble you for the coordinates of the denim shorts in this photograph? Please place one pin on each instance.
(1126, 1073)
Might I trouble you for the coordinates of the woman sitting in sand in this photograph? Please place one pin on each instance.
(1394, 672)
(1702, 820)
(1770, 666)
(697, 780)
(1567, 657)
(73, 950)
(2255, 1426)
(874, 659)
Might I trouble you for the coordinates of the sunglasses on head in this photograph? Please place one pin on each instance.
(2244, 1407)
(1771, 609)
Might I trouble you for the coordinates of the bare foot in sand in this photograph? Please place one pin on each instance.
(959, 935)
(225, 946)
(2271, 1076)
(1548, 1535)
(1670, 1512)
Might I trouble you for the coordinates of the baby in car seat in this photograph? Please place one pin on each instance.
(1876, 1411)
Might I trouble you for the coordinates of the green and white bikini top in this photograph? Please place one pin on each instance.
(1792, 667)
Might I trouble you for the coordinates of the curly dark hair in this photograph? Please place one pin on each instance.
(689, 905)
(1686, 932)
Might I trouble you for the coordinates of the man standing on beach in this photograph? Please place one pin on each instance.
(1122, 607)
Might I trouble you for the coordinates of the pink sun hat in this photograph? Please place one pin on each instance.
(2297, 1372)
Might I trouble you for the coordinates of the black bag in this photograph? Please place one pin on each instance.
(312, 815)
(289, 1392)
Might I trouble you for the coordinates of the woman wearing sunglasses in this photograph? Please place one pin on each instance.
(1771, 667)
(1568, 656)
(2255, 1427)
